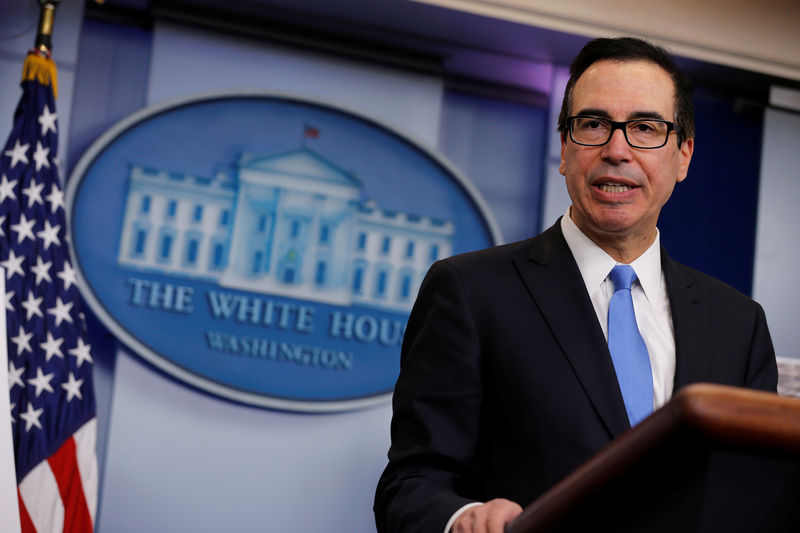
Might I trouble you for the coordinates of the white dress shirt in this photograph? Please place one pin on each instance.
(650, 305)
(650, 301)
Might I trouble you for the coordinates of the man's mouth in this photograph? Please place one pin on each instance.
(614, 187)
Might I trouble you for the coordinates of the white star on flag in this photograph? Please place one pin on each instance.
(49, 234)
(81, 352)
(8, 297)
(18, 154)
(61, 311)
(13, 264)
(14, 375)
(56, 198)
(31, 417)
(52, 347)
(48, 121)
(24, 229)
(73, 387)
(34, 193)
(40, 156)
(32, 306)
(23, 341)
(42, 270)
(41, 381)
(7, 189)
(68, 276)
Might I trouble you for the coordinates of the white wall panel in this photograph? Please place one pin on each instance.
(187, 61)
(776, 284)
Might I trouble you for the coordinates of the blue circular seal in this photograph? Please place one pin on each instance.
(265, 248)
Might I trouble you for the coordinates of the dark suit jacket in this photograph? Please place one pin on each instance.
(507, 385)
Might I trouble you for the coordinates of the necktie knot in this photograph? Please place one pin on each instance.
(622, 276)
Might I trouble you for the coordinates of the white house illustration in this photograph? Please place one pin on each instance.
(291, 224)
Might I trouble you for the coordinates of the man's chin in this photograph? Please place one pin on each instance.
(614, 221)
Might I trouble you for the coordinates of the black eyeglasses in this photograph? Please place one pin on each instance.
(646, 133)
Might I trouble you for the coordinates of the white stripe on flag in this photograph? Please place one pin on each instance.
(40, 494)
(85, 439)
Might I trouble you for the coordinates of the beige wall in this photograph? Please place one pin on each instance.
(758, 35)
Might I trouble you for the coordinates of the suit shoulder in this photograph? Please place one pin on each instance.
(490, 265)
(548, 242)
(499, 253)
(719, 291)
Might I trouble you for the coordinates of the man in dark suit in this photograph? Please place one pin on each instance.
(508, 381)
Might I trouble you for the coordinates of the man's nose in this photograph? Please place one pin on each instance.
(617, 148)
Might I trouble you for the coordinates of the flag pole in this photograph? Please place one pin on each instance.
(47, 13)
(38, 64)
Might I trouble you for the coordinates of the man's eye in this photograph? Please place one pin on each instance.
(591, 124)
(644, 127)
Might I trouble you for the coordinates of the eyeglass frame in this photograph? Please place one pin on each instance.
(622, 125)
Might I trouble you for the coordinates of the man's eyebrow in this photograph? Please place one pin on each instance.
(646, 114)
(601, 113)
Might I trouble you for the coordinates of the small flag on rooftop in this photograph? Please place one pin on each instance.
(310, 132)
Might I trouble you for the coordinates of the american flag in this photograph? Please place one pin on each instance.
(50, 360)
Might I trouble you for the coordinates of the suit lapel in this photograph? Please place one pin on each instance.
(553, 279)
(689, 308)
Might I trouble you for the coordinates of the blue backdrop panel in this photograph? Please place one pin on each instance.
(710, 221)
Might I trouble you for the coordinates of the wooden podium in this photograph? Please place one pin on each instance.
(714, 459)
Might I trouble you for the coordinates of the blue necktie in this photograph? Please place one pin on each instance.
(628, 351)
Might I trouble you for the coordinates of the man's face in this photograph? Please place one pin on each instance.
(617, 191)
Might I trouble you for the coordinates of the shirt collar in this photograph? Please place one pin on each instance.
(595, 264)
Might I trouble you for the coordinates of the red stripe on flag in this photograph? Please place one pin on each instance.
(64, 464)
(24, 517)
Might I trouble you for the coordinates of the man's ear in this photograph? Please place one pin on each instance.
(562, 167)
(686, 151)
